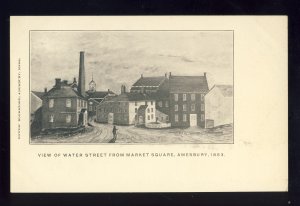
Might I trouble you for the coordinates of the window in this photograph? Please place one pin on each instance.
(160, 104)
(167, 118)
(51, 118)
(176, 107)
(202, 97)
(193, 107)
(184, 107)
(167, 104)
(176, 97)
(184, 97)
(202, 107)
(202, 117)
(152, 116)
(146, 103)
(91, 108)
(193, 97)
(184, 117)
(78, 103)
(135, 103)
(151, 102)
(136, 110)
(151, 109)
(148, 110)
(148, 117)
(176, 117)
(51, 103)
(68, 118)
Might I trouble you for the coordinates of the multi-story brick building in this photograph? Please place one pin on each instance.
(156, 88)
(63, 107)
(187, 106)
(127, 109)
(95, 97)
(179, 99)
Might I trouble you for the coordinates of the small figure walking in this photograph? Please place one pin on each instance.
(114, 131)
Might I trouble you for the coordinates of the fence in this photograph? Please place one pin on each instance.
(158, 125)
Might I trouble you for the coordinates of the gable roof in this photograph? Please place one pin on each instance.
(38, 94)
(95, 101)
(226, 90)
(99, 94)
(130, 97)
(65, 91)
(149, 81)
(142, 108)
(188, 84)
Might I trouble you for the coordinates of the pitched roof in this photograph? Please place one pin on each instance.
(65, 91)
(149, 81)
(130, 97)
(95, 101)
(159, 95)
(188, 84)
(99, 94)
(142, 108)
(38, 94)
(226, 90)
(160, 110)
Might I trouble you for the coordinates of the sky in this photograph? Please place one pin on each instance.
(120, 57)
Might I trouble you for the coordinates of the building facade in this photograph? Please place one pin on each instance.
(219, 106)
(63, 107)
(179, 99)
(127, 109)
(95, 97)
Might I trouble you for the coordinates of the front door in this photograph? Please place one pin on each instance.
(193, 120)
(141, 120)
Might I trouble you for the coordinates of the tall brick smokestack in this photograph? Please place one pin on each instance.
(81, 80)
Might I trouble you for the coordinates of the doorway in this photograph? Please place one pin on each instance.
(193, 120)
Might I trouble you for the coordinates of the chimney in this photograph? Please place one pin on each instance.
(123, 89)
(81, 80)
(45, 90)
(74, 80)
(170, 74)
(57, 83)
(166, 76)
(141, 76)
(108, 90)
(205, 74)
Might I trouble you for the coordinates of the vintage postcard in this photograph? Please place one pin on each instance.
(126, 86)
(148, 104)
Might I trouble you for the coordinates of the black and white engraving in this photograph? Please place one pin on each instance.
(131, 87)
